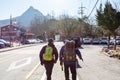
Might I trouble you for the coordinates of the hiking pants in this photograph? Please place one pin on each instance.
(48, 67)
(72, 69)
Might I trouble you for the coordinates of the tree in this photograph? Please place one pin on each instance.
(107, 18)
(68, 26)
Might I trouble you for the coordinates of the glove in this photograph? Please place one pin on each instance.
(41, 63)
(55, 61)
(61, 63)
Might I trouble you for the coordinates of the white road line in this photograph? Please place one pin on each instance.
(15, 66)
(31, 72)
(43, 76)
(77, 77)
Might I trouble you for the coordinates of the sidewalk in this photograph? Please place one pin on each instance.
(15, 46)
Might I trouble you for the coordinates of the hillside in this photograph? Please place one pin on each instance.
(25, 18)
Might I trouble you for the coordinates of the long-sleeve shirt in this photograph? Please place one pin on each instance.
(78, 53)
(55, 54)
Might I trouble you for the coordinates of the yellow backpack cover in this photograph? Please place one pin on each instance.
(48, 54)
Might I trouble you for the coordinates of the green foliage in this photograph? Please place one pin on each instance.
(107, 18)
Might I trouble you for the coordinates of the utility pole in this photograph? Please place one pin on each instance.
(80, 11)
(10, 29)
(10, 19)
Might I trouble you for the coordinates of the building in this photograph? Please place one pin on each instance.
(29, 35)
(10, 32)
(14, 33)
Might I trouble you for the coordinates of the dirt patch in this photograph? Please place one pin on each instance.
(111, 52)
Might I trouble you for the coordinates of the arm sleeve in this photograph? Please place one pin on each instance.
(61, 53)
(79, 54)
(41, 54)
(56, 54)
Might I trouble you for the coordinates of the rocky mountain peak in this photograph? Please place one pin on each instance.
(26, 17)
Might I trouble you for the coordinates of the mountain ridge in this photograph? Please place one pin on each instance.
(25, 18)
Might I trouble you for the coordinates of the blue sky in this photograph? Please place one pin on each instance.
(56, 7)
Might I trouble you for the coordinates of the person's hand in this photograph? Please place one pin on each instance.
(61, 63)
(41, 63)
(55, 61)
(82, 59)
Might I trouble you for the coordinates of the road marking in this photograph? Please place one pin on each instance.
(6, 58)
(77, 77)
(24, 62)
(43, 76)
(31, 72)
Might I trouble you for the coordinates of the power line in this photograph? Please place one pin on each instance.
(93, 8)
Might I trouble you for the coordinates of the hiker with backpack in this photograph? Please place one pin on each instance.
(48, 56)
(68, 54)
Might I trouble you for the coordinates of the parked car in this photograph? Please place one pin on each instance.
(112, 41)
(118, 41)
(39, 40)
(104, 40)
(25, 41)
(86, 40)
(31, 41)
(78, 41)
(96, 41)
(2, 45)
(7, 43)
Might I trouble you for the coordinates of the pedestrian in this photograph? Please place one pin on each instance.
(48, 56)
(68, 58)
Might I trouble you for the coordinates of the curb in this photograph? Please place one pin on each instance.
(17, 47)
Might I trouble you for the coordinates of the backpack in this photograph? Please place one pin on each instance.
(47, 56)
(69, 53)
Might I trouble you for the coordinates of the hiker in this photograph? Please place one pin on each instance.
(48, 56)
(68, 54)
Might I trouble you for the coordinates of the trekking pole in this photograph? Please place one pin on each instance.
(84, 63)
(62, 67)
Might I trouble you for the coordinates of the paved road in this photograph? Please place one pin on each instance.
(23, 64)
(17, 63)
(96, 66)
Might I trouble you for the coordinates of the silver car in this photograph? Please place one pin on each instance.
(104, 40)
(86, 40)
(96, 41)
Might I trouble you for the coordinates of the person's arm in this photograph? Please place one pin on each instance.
(41, 55)
(61, 55)
(56, 54)
(79, 54)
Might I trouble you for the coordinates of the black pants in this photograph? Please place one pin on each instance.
(72, 68)
(48, 67)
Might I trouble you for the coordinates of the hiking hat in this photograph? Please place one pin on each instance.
(50, 40)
